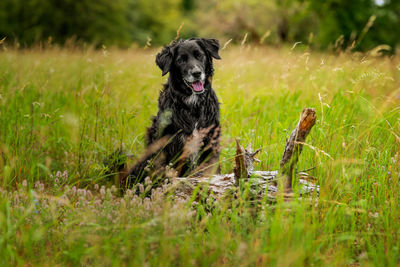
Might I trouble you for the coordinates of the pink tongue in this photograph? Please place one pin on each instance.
(198, 86)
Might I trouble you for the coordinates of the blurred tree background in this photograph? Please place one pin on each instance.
(329, 24)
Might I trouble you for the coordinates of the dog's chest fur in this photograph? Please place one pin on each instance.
(200, 110)
(192, 99)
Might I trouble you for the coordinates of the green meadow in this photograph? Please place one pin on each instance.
(62, 111)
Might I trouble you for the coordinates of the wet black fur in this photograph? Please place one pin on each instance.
(178, 119)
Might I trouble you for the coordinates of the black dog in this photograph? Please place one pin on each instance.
(185, 133)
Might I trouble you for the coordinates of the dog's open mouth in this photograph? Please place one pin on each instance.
(198, 86)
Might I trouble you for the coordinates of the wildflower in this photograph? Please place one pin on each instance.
(164, 187)
(102, 191)
(374, 215)
(65, 175)
(147, 181)
(141, 188)
(129, 193)
(89, 195)
(147, 203)
(170, 172)
(73, 190)
(97, 202)
(113, 189)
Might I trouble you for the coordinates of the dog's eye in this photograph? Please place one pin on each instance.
(181, 59)
(197, 55)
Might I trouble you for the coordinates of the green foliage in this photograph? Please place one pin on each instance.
(99, 22)
(157, 22)
(96, 21)
(361, 24)
(338, 24)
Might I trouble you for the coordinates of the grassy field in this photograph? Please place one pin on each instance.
(63, 111)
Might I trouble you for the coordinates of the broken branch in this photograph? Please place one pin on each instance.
(294, 145)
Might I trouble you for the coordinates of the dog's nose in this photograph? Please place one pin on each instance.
(196, 74)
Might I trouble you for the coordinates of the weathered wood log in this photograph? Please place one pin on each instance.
(262, 183)
(294, 146)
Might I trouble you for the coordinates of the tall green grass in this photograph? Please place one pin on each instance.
(63, 111)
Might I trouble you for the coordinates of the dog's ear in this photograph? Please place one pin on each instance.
(164, 59)
(212, 46)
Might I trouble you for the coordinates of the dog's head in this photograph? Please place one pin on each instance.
(189, 61)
